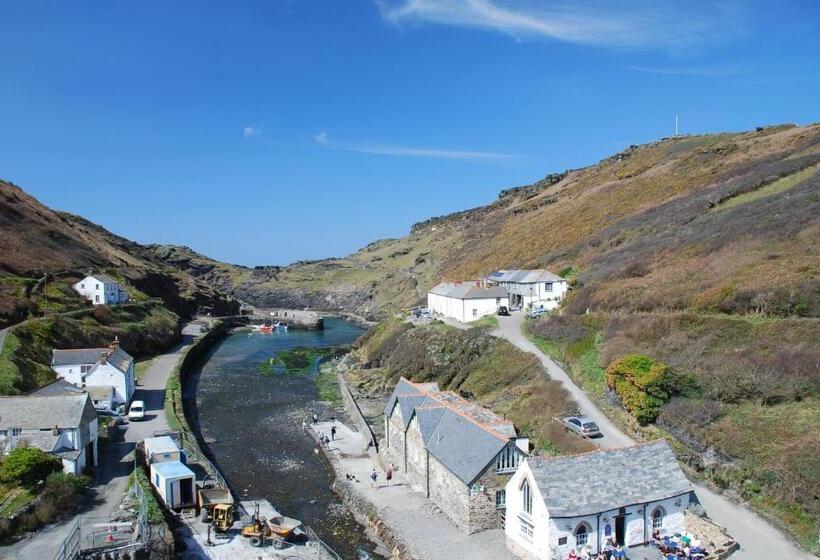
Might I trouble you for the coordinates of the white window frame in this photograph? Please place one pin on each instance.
(16, 432)
(548, 286)
(526, 528)
(658, 515)
(526, 497)
(587, 530)
(508, 460)
(501, 499)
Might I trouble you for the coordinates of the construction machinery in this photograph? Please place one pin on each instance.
(216, 507)
(278, 528)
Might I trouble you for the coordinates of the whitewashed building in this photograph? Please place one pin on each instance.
(106, 372)
(527, 288)
(555, 504)
(59, 422)
(465, 301)
(101, 289)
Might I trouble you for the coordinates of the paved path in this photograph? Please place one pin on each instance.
(428, 533)
(3, 333)
(116, 461)
(757, 537)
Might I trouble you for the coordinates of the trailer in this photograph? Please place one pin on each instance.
(175, 483)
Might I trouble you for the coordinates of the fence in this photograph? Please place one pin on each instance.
(70, 549)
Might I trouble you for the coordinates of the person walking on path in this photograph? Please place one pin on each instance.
(373, 476)
(389, 474)
(315, 419)
(333, 433)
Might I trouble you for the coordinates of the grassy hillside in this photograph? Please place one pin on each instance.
(476, 365)
(723, 223)
(143, 329)
(35, 240)
(745, 399)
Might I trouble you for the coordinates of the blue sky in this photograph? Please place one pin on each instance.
(262, 132)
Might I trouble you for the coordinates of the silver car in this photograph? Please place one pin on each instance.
(582, 426)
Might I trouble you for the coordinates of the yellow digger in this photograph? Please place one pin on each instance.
(277, 529)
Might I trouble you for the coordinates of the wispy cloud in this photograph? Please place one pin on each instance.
(250, 131)
(705, 71)
(672, 24)
(322, 139)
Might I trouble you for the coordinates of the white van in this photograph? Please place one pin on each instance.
(137, 411)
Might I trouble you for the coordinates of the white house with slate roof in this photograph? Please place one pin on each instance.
(555, 504)
(101, 289)
(107, 373)
(465, 301)
(530, 287)
(59, 422)
(458, 453)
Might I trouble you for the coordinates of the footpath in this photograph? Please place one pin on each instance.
(424, 532)
(116, 461)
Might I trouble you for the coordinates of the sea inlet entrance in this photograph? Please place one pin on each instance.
(252, 427)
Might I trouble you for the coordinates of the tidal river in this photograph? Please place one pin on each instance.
(252, 426)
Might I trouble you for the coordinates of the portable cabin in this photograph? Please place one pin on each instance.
(162, 450)
(175, 483)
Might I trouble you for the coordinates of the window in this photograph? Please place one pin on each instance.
(82, 286)
(16, 432)
(581, 535)
(475, 312)
(526, 497)
(97, 298)
(508, 459)
(657, 519)
(548, 286)
(85, 369)
(500, 499)
(96, 286)
(526, 528)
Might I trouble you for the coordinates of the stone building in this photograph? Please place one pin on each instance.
(556, 504)
(458, 453)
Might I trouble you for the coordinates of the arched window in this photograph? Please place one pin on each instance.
(657, 518)
(526, 495)
(581, 534)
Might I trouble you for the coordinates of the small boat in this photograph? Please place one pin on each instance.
(264, 329)
(281, 326)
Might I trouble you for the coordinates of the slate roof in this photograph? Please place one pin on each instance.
(600, 481)
(105, 278)
(44, 441)
(464, 436)
(117, 357)
(58, 387)
(524, 276)
(101, 392)
(468, 290)
(38, 412)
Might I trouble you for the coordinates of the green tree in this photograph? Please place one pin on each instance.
(28, 466)
(642, 384)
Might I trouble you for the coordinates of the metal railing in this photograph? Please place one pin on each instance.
(70, 549)
(326, 547)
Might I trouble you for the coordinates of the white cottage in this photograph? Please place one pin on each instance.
(54, 420)
(108, 373)
(465, 301)
(555, 504)
(101, 289)
(527, 288)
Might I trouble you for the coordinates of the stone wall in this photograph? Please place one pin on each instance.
(483, 513)
(450, 494)
(351, 406)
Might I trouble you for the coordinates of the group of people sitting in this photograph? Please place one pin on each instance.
(610, 551)
(679, 546)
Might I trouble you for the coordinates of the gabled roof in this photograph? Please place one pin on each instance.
(104, 278)
(524, 276)
(464, 436)
(44, 441)
(604, 480)
(58, 387)
(116, 356)
(468, 290)
(39, 412)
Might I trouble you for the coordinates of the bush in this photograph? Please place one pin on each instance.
(27, 466)
(641, 383)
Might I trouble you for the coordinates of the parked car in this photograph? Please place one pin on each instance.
(502, 310)
(118, 418)
(137, 411)
(582, 426)
(537, 312)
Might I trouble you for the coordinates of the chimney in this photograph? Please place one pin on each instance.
(115, 343)
(55, 431)
(103, 358)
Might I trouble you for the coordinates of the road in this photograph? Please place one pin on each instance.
(3, 333)
(757, 537)
(116, 460)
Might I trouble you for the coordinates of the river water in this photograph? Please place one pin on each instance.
(252, 428)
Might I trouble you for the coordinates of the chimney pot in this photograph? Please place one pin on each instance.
(103, 358)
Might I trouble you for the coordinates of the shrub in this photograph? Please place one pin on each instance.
(27, 466)
(641, 383)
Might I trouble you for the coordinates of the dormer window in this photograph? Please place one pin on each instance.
(16, 432)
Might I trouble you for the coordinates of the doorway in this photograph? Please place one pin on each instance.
(620, 529)
(186, 491)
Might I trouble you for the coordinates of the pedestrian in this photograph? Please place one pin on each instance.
(373, 476)
(572, 554)
(304, 424)
(389, 474)
(315, 419)
(333, 433)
